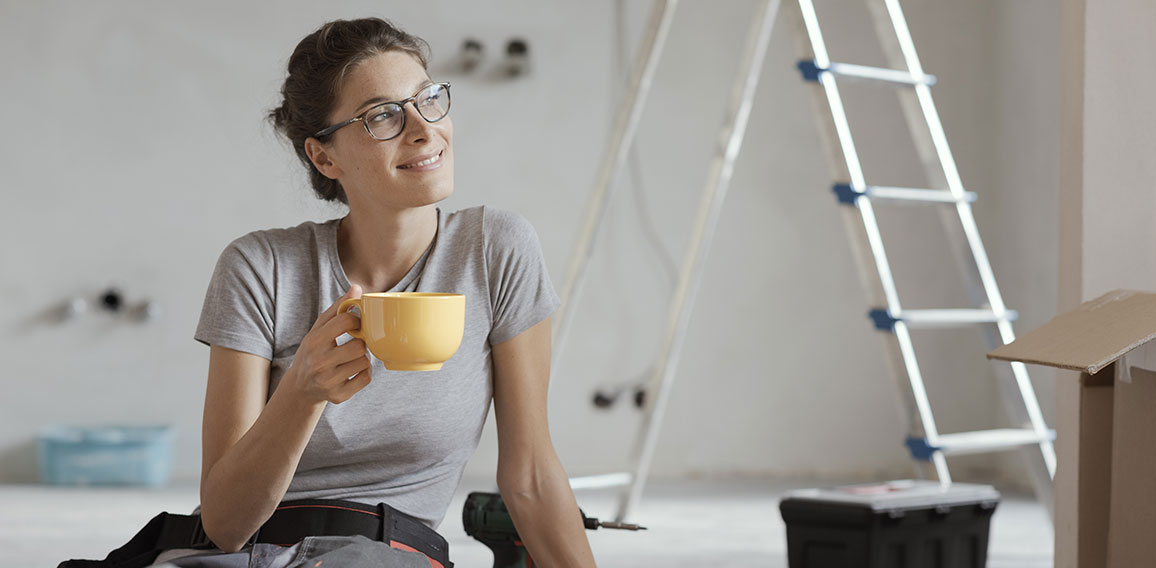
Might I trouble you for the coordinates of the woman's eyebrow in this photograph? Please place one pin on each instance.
(378, 100)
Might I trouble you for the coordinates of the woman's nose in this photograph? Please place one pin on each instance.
(417, 129)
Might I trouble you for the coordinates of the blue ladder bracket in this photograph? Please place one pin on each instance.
(920, 449)
(883, 320)
(809, 70)
(846, 194)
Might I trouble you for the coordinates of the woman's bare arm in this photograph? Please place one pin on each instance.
(251, 449)
(533, 483)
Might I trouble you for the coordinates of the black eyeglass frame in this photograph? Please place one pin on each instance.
(364, 117)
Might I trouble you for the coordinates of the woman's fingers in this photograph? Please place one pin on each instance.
(348, 352)
(339, 324)
(351, 387)
(352, 377)
(334, 372)
(352, 349)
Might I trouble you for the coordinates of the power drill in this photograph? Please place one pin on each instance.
(486, 519)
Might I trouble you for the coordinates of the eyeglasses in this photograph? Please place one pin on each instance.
(387, 120)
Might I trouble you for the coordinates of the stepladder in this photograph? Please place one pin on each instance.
(944, 195)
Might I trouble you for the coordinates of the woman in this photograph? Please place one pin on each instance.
(283, 419)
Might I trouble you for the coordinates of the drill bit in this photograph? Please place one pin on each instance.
(593, 524)
(623, 526)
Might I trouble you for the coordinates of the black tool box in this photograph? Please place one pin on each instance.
(897, 524)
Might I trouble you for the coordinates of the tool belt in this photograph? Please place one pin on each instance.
(289, 524)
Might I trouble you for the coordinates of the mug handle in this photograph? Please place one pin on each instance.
(345, 307)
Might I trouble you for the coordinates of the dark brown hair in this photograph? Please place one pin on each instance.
(317, 69)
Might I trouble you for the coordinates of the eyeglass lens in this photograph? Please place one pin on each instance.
(387, 120)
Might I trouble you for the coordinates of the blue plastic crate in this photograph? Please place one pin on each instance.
(111, 455)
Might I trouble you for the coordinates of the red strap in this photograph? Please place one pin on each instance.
(327, 507)
(403, 546)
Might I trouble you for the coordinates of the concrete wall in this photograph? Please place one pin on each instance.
(1119, 205)
(137, 150)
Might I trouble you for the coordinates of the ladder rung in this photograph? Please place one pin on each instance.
(603, 480)
(811, 72)
(848, 194)
(978, 442)
(885, 321)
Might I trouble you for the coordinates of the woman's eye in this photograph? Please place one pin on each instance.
(381, 117)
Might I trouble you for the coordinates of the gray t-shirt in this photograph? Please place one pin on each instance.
(406, 437)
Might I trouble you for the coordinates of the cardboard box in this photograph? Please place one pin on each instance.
(1106, 450)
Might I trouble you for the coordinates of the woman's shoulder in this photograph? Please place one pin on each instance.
(499, 232)
(265, 244)
(486, 217)
(493, 224)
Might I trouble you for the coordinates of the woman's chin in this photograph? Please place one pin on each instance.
(433, 196)
(438, 192)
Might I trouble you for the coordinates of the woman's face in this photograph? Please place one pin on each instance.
(385, 172)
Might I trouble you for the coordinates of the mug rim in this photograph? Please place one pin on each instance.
(415, 295)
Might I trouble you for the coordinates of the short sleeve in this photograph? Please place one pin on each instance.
(521, 294)
(238, 308)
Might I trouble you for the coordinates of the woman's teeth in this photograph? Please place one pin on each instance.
(424, 162)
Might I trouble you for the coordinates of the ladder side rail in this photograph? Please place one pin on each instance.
(690, 280)
(1039, 462)
(927, 131)
(970, 228)
(620, 141)
(910, 61)
(867, 241)
(934, 172)
(860, 249)
(928, 158)
(1041, 465)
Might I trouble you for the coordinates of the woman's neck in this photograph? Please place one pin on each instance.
(378, 248)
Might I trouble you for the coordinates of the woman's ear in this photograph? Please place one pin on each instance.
(321, 158)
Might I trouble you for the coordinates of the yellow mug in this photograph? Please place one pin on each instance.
(410, 331)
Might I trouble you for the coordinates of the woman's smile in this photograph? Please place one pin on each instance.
(424, 163)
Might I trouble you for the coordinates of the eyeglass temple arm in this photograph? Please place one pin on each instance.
(331, 129)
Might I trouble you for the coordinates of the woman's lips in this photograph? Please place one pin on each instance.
(425, 164)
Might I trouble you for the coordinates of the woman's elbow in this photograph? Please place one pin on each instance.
(516, 483)
(224, 537)
(529, 481)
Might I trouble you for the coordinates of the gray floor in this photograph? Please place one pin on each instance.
(691, 523)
